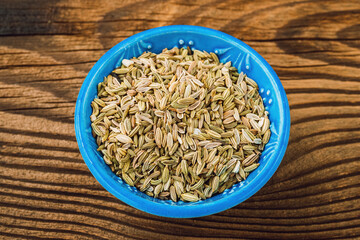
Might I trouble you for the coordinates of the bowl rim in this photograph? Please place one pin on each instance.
(185, 211)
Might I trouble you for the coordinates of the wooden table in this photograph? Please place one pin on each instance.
(46, 51)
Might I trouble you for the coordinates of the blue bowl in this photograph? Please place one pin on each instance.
(228, 48)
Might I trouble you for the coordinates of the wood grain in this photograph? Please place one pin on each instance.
(46, 50)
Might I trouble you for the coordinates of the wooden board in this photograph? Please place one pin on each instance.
(46, 50)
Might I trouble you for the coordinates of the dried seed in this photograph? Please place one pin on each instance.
(169, 141)
(266, 136)
(216, 129)
(158, 137)
(127, 179)
(173, 194)
(215, 183)
(229, 120)
(189, 197)
(157, 189)
(250, 160)
(265, 126)
(236, 115)
(251, 167)
(212, 145)
(227, 134)
(123, 138)
(257, 141)
(165, 175)
(184, 168)
(213, 134)
(254, 124)
(186, 101)
(237, 167)
(179, 187)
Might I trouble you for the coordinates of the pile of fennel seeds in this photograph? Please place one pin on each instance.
(179, 125)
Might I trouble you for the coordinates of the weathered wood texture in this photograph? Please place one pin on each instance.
(46, 50)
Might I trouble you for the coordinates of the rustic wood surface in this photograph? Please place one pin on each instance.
(46, 51)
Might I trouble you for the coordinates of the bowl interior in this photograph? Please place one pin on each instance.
(227, 48)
